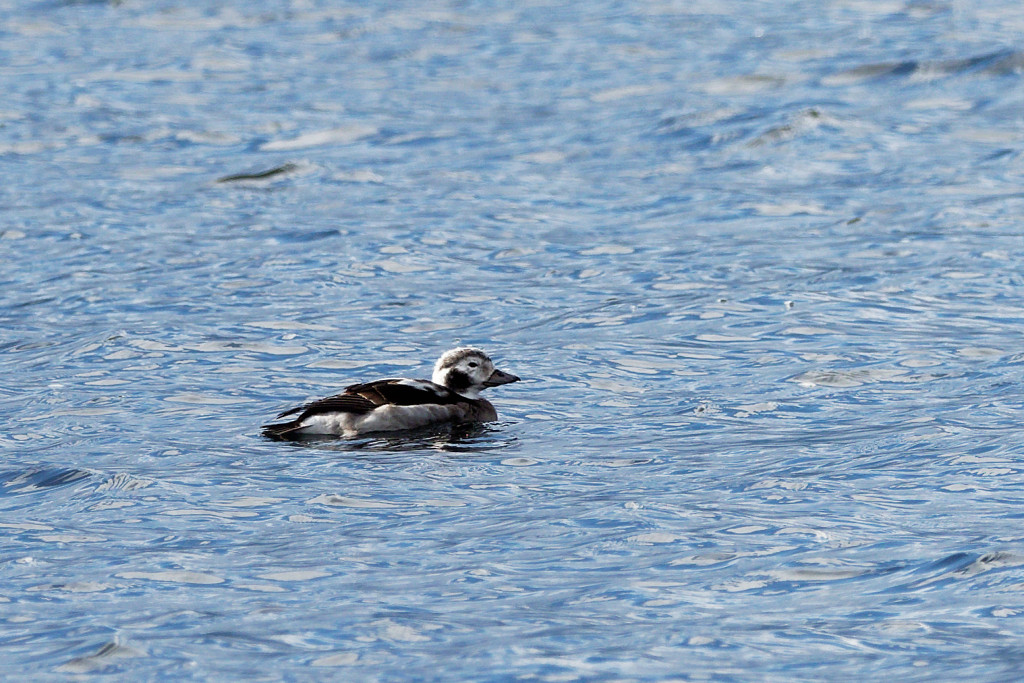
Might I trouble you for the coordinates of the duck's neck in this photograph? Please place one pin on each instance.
(472, 393)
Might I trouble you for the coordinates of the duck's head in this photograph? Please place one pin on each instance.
(468, 371)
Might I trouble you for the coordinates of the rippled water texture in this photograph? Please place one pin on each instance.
(757, 263)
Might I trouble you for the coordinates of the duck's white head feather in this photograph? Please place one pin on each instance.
(468, 371)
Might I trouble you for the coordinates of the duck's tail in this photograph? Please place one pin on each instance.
(282, 430)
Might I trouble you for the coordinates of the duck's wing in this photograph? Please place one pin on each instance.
(362, 398)
(404, 392)
(342, 403)
(347, 402)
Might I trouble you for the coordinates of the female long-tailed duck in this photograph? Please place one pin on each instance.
(451, 395)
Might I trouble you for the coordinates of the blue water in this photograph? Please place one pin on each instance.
(757, 263)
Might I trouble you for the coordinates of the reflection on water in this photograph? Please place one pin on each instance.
(757, 265)
(452, 438)
(29, 481)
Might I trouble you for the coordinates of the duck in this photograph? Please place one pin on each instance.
(452, 394)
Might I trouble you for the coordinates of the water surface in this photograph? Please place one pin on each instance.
(758, 265)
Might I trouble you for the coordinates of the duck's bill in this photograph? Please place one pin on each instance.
(498, 377)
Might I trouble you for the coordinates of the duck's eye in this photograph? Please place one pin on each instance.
(473, 364)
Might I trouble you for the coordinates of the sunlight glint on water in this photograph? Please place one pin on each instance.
(758, 266)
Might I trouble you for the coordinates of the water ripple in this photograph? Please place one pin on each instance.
(757, 266)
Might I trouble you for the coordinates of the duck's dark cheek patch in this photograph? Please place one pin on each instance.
(458, 380)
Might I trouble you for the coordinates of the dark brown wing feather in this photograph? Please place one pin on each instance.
(341, 403)
(401, 392)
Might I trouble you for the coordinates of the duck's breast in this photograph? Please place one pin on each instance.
(482, 411)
